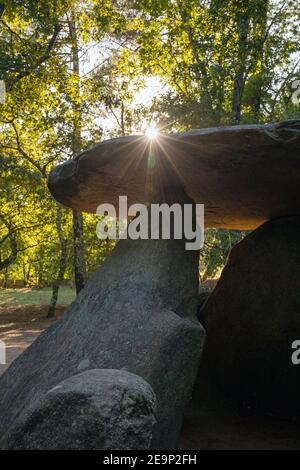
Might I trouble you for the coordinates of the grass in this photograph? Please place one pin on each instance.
(27, 296)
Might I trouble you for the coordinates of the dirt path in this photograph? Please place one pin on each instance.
(20, 326)
(211, 421)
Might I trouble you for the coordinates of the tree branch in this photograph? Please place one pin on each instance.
(13, 245)
(41, 60)
(25, 154)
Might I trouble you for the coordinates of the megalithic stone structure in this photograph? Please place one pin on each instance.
(138, 312)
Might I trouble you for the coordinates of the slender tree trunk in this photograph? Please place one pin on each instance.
(242, 23)
(261, 27)
(24, 273)
(123, 119)
(62, 264)
(28, 274)
(78, 235)
(200, 68)
(5, 277)
(11, 258)
(79, 258)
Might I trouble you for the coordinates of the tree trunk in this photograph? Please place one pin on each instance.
(79, 261)
(200, 68)
(11, 258)
(5, 278)
(62, 264)
(122, 118)
(78, 236)
(242, 23)
(261, 27)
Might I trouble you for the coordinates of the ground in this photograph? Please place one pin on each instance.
(26, 296)
(23, 315)
(211, 422)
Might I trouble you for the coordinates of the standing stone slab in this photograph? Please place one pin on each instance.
(97, 409)
(137, 313)
(253, 316)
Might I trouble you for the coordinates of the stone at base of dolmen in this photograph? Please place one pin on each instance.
(253, 316)
(137, 313)
(98, 409)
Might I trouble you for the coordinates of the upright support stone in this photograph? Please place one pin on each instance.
(137, 313)
(252, 318)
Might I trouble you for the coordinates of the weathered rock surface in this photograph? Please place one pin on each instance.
(97, 409)
(244, 175)
(137, 313)
(202, 298)
(205, 289)
(253, 316)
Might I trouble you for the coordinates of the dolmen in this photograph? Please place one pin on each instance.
(131, 340)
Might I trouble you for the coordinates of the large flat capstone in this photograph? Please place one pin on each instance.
(244, 175)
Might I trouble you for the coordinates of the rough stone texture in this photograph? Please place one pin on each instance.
(97, 409)
(244, 175)
(253, 316)
(137, 313)
(205, 289)
(202, 298)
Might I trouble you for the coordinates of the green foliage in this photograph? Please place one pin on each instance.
(216, 249)
(221, 62)
(202, 49)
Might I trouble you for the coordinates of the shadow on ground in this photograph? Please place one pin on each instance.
(211, 421)
(20, 325)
